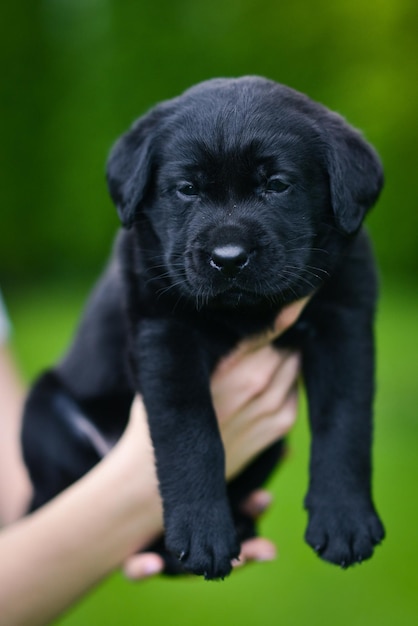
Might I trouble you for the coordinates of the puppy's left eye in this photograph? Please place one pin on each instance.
(276, 185)
(187, 189)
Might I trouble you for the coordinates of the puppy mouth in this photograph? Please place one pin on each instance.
(270, 287)
(229, 292)
(233, 273)
(235, 297)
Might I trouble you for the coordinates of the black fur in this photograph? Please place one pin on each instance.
(238, 197)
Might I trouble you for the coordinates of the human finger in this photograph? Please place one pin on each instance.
(285, 319)
(256, 503)
(271, 399)
(257, 549)
(289, 315)
(233, 387)
(143, 565)
(251, 438)
(272, 411)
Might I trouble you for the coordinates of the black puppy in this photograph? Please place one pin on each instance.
(237, 197)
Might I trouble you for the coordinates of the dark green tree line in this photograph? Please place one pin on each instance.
(75, 73)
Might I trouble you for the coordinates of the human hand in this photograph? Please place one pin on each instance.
(255, 398)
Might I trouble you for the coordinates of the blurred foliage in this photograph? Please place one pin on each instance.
(75, 73)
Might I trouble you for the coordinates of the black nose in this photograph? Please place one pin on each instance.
(229, 259)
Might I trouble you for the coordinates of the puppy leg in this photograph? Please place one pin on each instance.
(56, 452)
(338, 369)
(199, 527)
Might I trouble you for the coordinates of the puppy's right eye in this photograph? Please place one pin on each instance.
(276, 185)
(187, 189)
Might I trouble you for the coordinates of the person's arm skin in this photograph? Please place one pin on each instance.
(14, 480)
(51, 558)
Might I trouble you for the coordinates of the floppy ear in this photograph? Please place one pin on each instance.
(129, 166)
(355, 171)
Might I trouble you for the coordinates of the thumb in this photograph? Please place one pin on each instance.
(286, 318)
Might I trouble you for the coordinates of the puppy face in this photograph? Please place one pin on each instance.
(238, 215)
(244, 182)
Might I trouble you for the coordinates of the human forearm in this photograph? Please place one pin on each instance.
(70, 552)
(14, 481)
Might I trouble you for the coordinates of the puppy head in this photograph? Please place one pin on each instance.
(244, 182)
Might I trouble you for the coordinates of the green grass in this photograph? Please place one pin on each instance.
(298, 588)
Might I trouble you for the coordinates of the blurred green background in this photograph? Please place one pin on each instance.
(75, 73)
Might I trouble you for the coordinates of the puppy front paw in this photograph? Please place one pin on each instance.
(344, 534)
(205, 541)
